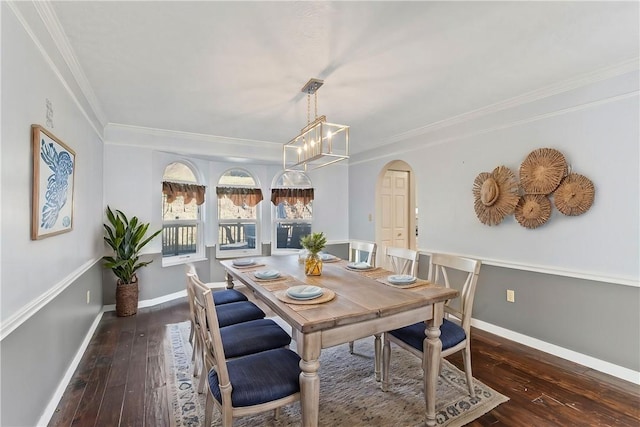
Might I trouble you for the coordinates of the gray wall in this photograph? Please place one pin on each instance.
(44, 283)
(37, 354)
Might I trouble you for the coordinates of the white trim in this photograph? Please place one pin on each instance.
(51, 22)
(64, 382)
(573, 356)
(151, 302)
(367, 156)
(55, 69)
(18, 318)
(545, 269)
(576, 82)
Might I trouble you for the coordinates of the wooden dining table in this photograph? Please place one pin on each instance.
(364, 304)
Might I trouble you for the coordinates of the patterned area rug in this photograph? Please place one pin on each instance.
(349, 394)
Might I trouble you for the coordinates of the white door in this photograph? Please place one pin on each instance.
(394, 197)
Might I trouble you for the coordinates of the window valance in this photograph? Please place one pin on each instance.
(291, 195)
(188, 191)
(241, 196)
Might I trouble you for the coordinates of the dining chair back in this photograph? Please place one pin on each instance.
(402, 260)
(452, 272)
(249, 384)
(362, 252)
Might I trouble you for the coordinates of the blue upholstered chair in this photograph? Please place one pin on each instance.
(249, 384)
(238, 339)
(456, 326)
(236, 310)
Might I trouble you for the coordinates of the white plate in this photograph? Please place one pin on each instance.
(359, 266)
(328, 257)
(243, 262)
(267, 274)
(304, 292)
(401, 279)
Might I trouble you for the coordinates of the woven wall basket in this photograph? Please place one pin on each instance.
(574, 195)
(495, 195)
(533, 210)
(542, 171)
(127, 299)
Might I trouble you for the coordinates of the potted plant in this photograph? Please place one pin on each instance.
(126, 237)
(314, 243)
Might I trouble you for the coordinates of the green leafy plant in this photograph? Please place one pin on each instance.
(126, 237)
(314, 242)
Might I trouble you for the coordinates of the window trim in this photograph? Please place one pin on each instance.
(274, 217)
(200, 253)
(243, 252)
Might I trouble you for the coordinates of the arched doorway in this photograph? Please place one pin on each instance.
(395, 207)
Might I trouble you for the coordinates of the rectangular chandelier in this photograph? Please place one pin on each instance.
(319, 143)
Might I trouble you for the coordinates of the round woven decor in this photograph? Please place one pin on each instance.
(533, 210)
(542, 171)
(575, 195)
(495, 195)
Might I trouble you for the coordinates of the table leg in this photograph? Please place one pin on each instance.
(432, 350)
(309, 380)
(377, 345)
(229, 280)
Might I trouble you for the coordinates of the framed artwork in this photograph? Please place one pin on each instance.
(54, 166)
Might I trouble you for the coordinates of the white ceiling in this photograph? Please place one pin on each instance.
(235, 69)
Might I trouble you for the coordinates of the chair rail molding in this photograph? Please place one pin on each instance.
(555, 271)
(23, 314)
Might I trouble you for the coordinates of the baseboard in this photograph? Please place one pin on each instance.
(64, 382)
(151, 302)
(573, 356)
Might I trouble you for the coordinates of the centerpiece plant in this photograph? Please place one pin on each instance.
(313, 243)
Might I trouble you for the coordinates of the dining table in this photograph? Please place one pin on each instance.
(355, 303)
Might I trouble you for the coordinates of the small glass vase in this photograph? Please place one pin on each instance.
(313, 265)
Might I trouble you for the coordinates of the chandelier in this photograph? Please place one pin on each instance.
(319, 143)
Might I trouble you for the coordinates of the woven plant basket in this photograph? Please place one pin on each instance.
(127, 298)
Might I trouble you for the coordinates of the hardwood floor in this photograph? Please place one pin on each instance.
(121, 380)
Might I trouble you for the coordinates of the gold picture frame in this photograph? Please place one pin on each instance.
(54, 166)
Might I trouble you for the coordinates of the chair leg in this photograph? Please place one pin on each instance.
(386, 361)
(377, 345)
(351, 347)
(204, 378)
(196, 356)
(276, 413)
(466, 358)
(208, 411)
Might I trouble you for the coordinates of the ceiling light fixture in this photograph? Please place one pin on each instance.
(319, 143)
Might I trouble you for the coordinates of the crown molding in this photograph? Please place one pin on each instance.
(53, 26)
(579, 81)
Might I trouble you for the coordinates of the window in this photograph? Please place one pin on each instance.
(292, 210)
(182, 200)
(238, 214)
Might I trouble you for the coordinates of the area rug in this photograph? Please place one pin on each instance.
(349, 394)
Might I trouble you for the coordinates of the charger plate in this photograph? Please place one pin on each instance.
(326, 296)
(418, 282)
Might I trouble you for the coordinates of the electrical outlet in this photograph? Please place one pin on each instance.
(88, 297)
(511, 295)
(370, 217)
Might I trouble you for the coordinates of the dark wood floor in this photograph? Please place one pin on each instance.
(120, 380)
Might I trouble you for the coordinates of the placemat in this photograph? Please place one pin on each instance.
(327, 296)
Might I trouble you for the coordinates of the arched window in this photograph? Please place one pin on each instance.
(292, 210)
(182, 201)
(238, 214)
